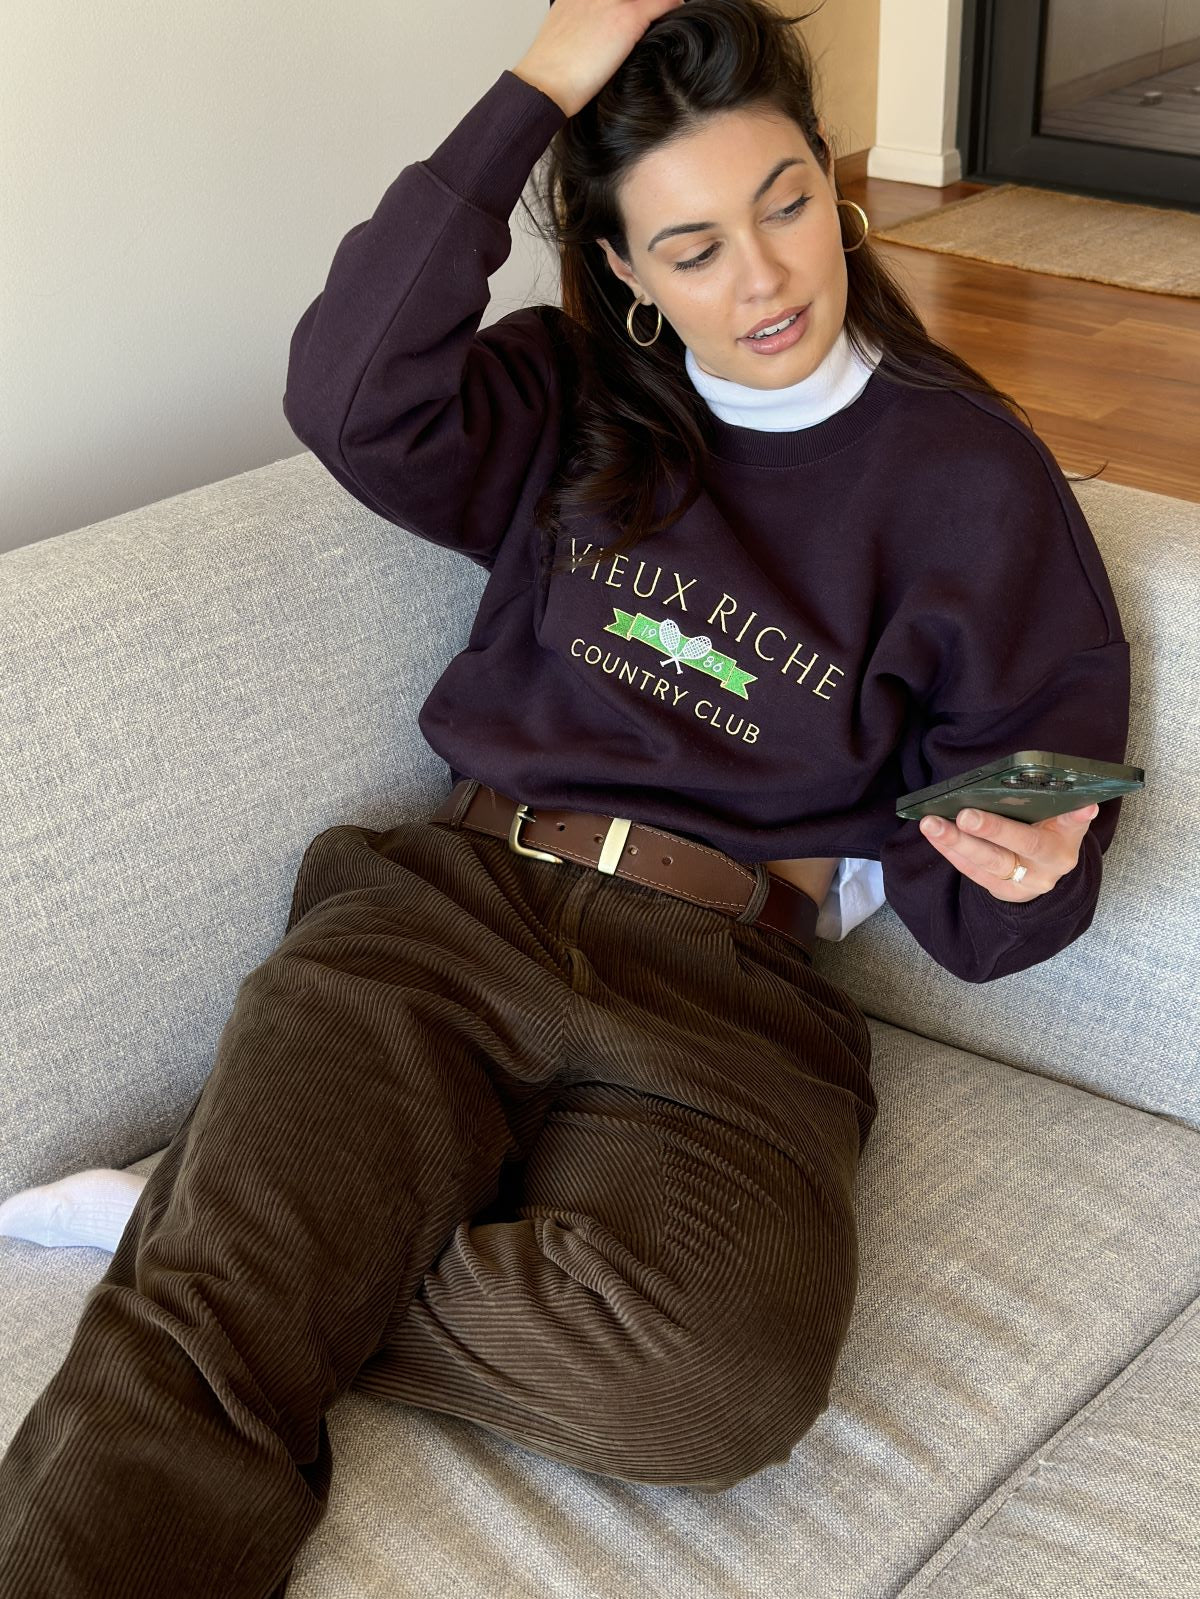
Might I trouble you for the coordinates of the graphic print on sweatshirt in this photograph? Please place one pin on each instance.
(695, 648)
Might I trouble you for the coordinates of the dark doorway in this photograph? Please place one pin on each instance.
(1092, 99)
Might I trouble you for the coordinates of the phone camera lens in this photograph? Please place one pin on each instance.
(1035, 777)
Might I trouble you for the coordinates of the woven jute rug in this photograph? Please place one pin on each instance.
(1068, 235)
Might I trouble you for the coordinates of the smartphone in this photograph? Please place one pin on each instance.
(1030, 785)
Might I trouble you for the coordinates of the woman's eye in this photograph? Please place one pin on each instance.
(788, 211)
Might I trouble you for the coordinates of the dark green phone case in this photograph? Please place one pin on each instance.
(1030, 785)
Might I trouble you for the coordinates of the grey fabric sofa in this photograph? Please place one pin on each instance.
(192, 691)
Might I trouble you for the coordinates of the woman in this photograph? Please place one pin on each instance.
(540, 1114)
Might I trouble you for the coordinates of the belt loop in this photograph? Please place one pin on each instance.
(758, 894)
(473, 785)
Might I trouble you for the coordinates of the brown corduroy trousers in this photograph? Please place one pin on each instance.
(519, 1142)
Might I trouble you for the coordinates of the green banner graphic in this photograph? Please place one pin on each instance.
(696, 652)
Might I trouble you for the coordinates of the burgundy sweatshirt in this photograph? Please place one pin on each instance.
(850, 610)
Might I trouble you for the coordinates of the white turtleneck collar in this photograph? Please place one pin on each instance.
(840, 378)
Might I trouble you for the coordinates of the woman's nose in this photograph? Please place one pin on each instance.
(762, 275)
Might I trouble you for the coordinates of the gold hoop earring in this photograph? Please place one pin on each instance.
(866, 225)
(629, 324)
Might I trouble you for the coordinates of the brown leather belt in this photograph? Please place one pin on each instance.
(643, 854)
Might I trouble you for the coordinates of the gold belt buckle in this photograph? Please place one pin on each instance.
(610, 851)
(520, 815)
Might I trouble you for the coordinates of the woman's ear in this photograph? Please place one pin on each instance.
(618, 266)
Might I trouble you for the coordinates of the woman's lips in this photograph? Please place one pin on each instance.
(779, 341)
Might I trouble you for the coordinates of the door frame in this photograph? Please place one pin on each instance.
(999, 91)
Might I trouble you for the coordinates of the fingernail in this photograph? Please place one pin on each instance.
(932, 826)
(969, 819)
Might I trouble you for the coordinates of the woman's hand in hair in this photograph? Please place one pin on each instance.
(582, 43)
(984, 852)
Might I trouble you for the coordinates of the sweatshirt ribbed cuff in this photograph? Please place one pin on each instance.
(488, 158)
(1066, 898)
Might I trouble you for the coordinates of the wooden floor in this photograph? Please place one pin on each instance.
(1105, 374)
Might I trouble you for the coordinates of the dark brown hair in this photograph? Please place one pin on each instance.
(630, 411)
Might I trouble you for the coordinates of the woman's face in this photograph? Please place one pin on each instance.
(756, 257)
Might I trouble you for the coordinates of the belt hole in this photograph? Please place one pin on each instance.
(666, 860)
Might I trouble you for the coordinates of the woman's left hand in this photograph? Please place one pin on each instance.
(985, 852)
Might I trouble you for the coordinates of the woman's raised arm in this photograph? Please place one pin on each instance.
(426, 420)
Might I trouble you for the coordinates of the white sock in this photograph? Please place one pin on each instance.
(88, 1207)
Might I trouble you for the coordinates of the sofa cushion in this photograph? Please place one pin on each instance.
(1110, 1505)
(1021, 1241)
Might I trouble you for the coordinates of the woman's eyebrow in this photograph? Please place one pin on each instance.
(699, 227)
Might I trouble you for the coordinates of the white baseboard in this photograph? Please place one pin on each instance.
(914, 166)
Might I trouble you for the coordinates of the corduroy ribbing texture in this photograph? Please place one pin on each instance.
(515, 1141)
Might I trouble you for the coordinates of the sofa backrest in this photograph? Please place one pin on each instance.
(195, 689)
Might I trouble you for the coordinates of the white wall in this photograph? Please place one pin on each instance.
(843, 37)
(916, 107)
(174, 181)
